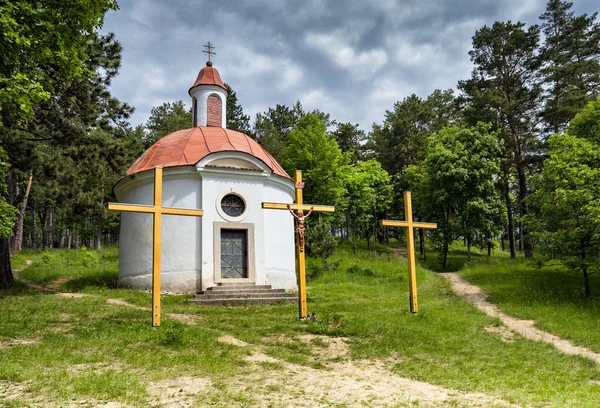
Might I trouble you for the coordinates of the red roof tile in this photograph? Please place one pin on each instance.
(188, 146)
(208, 76)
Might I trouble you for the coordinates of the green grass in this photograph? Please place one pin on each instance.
(364, 299)
(550, 294)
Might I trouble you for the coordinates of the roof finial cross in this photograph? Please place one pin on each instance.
(209, 50)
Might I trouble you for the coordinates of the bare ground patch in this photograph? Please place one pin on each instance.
(502, 332)
(183, 318)
(17, 342)
(525, 328)
(73, 295)
(179, 391)
(363, 383)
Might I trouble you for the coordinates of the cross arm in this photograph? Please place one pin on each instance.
(302, 207)
(392, 223)
(182, 211)
(131, 207)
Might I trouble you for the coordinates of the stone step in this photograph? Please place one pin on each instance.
(238, 301)
(225, 284)
(235, 292)
(245, 295)
(238, 288)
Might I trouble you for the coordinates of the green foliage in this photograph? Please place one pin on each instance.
(504, 90)
(567, 195)
(349, 138)
(166, 118)
(8, 213)
(571, 69)
(361, 270)
(319, 241)
(38, 48)
(454, 185)
(311, 150)
(236, 119)
(272, 128)
(368, 192)
(399, 141)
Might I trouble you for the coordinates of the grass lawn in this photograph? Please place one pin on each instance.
(82, 348)
(550, 294)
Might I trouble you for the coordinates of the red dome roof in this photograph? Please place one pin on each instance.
(209, 76)
(188, 146)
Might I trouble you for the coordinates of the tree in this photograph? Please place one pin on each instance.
(571, 69)
(272, 128)
(311, 150)
(39, 51)
(7, 218)
(567, 195)
(504, 90)
(166, 118)
(38, 47)
(368, 190)
(236, 119)
(349, 138)
(454, 184)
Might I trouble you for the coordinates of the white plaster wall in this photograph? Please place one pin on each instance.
(181, 237)
(274, 262)
(201, 93)
(280, 265)
(187, 253)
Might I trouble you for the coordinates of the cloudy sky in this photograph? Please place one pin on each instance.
(352, 59)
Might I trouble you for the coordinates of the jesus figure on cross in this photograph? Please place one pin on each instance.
(301, 217)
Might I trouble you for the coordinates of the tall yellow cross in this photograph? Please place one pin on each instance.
(157, 210)
(300, 207)
(410, 246)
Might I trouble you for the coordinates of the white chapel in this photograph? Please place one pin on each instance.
(227, 175)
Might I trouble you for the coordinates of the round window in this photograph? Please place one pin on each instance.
(233, 205)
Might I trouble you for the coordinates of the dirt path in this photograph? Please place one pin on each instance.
(271, 382)
(525, 328)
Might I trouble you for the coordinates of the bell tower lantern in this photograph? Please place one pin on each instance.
(209, 95)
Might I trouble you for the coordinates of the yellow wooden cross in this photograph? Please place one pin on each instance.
(410, 246)
(299, 207)
(157, 210)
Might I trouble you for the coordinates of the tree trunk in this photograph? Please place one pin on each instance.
(469, 248)
(422, 241)
(511, 226)
(44, 226)
(16, 243)
(386, 232)
(33, 227)
(502, 240)
(51, 228)
(586, 282)
(6, 276)
(526, 238)
(520, 236)
(445, 255)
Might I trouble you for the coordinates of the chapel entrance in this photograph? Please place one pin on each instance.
(234, 254)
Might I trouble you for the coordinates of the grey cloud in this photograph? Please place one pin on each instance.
(263, 52)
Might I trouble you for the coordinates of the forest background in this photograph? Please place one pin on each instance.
(510, 158)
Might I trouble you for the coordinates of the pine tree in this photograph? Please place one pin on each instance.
(236, 119)
(571, 68)
(504, 90)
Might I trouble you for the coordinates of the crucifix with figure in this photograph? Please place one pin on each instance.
(410, 246)
(297, 210)
(157, 210)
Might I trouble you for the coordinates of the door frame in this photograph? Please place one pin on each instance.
(249, 228)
